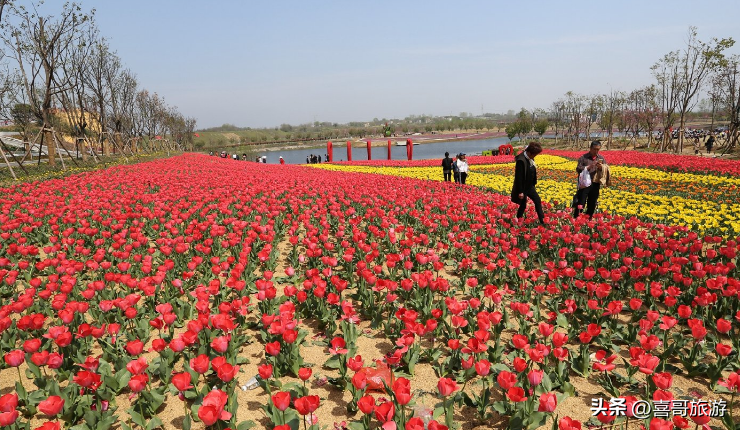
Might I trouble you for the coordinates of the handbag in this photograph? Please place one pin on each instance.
(584, 179)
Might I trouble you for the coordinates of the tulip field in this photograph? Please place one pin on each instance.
(203, 293)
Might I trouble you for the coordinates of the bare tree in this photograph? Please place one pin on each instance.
(123, 87)
(574, 107)
(682, 74)
(729, 75)
(39, 44)
(557, 114)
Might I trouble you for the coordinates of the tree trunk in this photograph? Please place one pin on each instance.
(51, 150)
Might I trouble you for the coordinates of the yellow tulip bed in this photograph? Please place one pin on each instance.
(706, 202)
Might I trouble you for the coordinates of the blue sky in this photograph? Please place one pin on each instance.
(260, 63)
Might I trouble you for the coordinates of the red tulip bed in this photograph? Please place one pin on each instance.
(665, 162)
(472, 160)
(147, 296)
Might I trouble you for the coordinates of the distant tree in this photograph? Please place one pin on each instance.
(682, 74)
(512, 130)
(524, 123)
(40, 45)
(23, 116)
(540, 126)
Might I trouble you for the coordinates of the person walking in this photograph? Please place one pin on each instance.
(593, 162)
(462, 167)
(447, 167)
(709, 144)
(525, 179)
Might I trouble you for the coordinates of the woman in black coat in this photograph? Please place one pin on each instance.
(525, 179)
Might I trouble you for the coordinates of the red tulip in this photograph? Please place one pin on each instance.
(516, 394)
(182, 381)
(483, 367)
(8, 418)
(281, 400)
(548, 402)
(724, 326)
(304, 373)
(8, 402)
(212, 408)
(137, 383)
(520, 341)
(355, 363)
(273, 348)
(265, 371)
(535, 377)
(31, 345)
(87, 379)
(385, 412)
(402, 390)
(200, 364)
(506, 379)
(226, 372)
(51, 406)
(49, 425)
(135, 347)
(723, 349)
(663, 380)
(446, 386)
(568, 423)
(366, 404)
(434, 425)
(359, 380)
(136, 367)
(415, 423)
(307, 404)
(15, 358)
(221, 344)
(646, 363)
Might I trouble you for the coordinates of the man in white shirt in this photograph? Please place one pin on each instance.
(462, 167)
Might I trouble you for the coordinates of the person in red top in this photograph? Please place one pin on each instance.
(282, 161)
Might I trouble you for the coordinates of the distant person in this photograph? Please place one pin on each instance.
(319, 158)
(223, 154)
(211, 153)
(264, 159)
(326, 157)
(244, 157)
(456, 170)
(525, 179)
(281, 160)
(709, 144)
(257, 160)
(447, 167)
(593, 162)
(462, 167)
(308, 159)
(235, 157)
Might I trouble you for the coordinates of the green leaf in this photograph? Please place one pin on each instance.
(245, 425)
(536, 419)
(546, 383)
(332, 363)
(187, 422)
(499, 407)
(106, 422)
(727, 421)
(136, 417)
(34, 370)
(154, 423)
(469, 401)
(562, 321)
